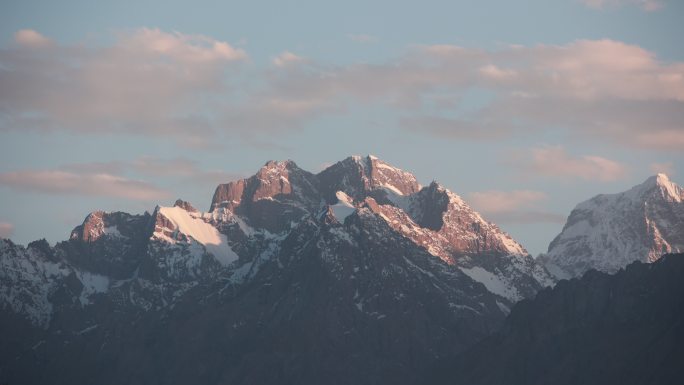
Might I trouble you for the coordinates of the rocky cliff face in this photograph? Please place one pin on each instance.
(610, 231)
(357, 274)
(601, 329)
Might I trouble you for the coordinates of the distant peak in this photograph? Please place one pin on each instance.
(288, 163)
(366, 159)
(277, 168)
(185, 206)
(659, 179)
(668, 189)
(359, 159)
(662, 178)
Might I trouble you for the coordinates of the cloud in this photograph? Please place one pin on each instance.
(454, 128)
(188, 87)
(554, 161)
(603, 89)
(618, 92)
(495, 201)
(147, 82)
(31, 38)
(493, 72)
(152, 166)
(363, 38)
(179, 169)
(89, 184)
(517, 206)
(647, 5)
(182, 169)
(665, 168)
(6, 230)
(527, 217)
(287, 58)
(178, 46)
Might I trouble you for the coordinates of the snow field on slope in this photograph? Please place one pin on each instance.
(202, 232)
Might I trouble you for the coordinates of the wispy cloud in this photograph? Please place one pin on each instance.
(495, 201)
(554, 161)
(180, 169)
(31, 38)
(618, 92)
(6, 230)
(129, 179)
(665, 168)
(149, 81)
(153, 82)
(493, 72)
(621, 93)
(90, 184)
(647, 5)
(517, 206)
(528, 217)
(287, 58)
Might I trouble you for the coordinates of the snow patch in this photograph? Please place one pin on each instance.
(511, 245)
(492, 282)
(92, 284)
(204, 233)
(86, 330)
(112, 231)
(344, 206)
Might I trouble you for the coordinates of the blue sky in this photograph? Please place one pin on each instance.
(524, 108)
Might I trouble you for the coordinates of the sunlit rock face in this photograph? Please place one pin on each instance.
(311, 275)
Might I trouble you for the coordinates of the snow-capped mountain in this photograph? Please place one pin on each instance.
(609, 231)
(358, 266)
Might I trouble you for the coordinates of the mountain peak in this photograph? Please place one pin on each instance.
(659, 179)
(287, 163)
(611, 230)
(185, 206)
(668, 189)
(662, 177)
(365, 173)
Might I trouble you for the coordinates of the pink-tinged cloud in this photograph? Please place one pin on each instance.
(287, 58)
(6, 230)
(179, 169)
(618, 92)
(148, 82)
(554, 161)
(178, 46)
(494, 201)
(517, 206)
(30, 38)
(647, 5)
(152, 82)
(496, 73)
(527, 217)
(95, 184)
(662, 168)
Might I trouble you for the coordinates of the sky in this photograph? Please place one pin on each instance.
(524, 108)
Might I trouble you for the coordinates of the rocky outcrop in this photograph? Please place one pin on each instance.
(185, 206)
(358, 176)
